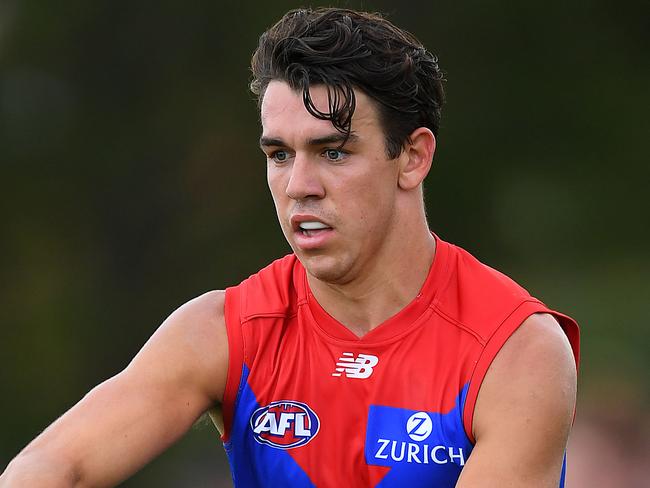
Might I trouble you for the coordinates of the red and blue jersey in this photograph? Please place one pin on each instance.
(308, 403)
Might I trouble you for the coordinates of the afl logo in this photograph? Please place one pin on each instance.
(284, 424)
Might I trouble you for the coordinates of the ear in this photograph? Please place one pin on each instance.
(416, 159)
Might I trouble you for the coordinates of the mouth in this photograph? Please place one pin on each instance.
(313, 228)
(310, 233)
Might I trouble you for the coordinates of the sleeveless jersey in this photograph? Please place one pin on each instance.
(308, 403)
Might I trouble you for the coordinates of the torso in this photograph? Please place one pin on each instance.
(316, 406)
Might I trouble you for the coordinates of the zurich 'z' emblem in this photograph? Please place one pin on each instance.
(284, 424)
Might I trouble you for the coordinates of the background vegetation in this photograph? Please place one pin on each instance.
(131, 181)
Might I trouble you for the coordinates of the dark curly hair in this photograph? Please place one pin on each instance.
(343, 50)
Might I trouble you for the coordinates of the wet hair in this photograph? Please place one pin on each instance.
(346, 50)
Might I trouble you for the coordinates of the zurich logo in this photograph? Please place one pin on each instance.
(419, 426)
(284, 424)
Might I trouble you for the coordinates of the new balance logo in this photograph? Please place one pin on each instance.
(359, 367)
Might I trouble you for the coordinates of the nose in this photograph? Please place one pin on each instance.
(304, 180)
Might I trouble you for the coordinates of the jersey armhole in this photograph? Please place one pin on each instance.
(496, 342)
(232, 315)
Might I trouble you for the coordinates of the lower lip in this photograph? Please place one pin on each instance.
(316, 240)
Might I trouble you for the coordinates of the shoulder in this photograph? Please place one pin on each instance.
(532, 377)
(190, 346)
(480, 298)
(271, 291)
(198, 319)
(524, 409)
(204, 309)
(496, 311)
(488, 304)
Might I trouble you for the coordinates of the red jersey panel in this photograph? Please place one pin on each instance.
(308, 403)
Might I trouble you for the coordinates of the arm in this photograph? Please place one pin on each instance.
(129, 419)
(524, 410)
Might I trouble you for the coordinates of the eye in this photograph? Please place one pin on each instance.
(279, 156)
(334, 154)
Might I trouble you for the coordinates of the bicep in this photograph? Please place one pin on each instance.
(524, 410)
(127, 420)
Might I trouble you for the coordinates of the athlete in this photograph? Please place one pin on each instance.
(376, 354)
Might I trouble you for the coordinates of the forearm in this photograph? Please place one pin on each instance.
(36, 470)
(129, 419)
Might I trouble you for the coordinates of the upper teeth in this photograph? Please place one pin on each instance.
(312, 225)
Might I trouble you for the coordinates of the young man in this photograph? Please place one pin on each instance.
(374, 355)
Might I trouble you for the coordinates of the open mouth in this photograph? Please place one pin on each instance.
(310, 229)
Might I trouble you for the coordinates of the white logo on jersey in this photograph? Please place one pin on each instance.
(359, 367)
(419, 426)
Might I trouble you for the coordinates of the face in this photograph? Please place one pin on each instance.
(335, 204)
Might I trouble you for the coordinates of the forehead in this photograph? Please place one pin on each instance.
(283, 110)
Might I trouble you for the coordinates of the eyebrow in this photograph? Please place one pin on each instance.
(335, 138)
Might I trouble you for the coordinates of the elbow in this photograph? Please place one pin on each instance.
(35, 469)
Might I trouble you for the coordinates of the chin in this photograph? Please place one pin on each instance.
(325, 268)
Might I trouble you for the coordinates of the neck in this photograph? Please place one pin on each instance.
(389, 281)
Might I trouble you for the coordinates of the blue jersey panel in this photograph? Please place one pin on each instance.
(254, 464)
(422, 449)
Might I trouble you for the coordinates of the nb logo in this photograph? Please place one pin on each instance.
(360, 367)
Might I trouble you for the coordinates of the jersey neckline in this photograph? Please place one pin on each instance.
(393, 326)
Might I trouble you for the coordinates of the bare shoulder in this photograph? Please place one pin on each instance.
(200, 317)
(205, 309)
(524, 409)
(535, 370)
(193, 341)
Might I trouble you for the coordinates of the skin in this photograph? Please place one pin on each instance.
(524, 410)
(126, 421)
(367, 271)
(362, 273)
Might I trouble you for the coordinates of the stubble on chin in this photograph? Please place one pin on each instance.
(327, 269)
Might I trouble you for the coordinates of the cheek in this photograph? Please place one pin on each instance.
(380, 184)
(276, 187)
(370, 200)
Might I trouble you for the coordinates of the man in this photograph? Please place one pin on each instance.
(375, 355)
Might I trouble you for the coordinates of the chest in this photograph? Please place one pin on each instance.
(335, 413)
